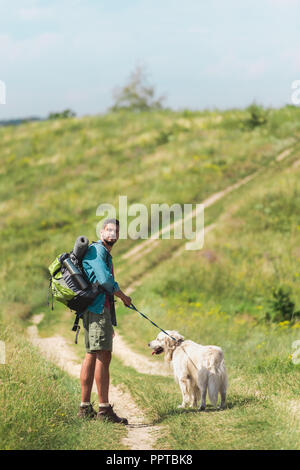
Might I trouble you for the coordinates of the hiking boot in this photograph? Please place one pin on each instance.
(87, 411)
(107, 413)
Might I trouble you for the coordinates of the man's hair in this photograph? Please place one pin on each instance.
(110, 221)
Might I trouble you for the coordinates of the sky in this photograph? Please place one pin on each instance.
(200, 54)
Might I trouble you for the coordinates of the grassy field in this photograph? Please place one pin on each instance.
(53, 177)
(220, 296)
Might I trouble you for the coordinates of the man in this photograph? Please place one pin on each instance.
(98, 321)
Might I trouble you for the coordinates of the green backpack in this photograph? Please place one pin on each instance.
(69, 284)
(58, 286)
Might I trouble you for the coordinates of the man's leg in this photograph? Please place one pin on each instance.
(98, 334)
(86, 380)
(87, 372)
(102, 381)
(87, 376)
(103, 359)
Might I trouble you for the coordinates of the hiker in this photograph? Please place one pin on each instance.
(98, 321)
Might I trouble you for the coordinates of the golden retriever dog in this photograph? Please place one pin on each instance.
(197, 369)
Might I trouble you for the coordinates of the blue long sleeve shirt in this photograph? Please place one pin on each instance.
(95, 267)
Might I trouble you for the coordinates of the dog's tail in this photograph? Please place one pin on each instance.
(217, 380)
(213, 386)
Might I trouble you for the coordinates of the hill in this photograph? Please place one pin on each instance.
(54, 175)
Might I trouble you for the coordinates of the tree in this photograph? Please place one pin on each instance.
(137, 95)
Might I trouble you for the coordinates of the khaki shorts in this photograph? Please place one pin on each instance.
(98, 331)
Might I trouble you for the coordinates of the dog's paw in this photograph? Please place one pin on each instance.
(181, 406)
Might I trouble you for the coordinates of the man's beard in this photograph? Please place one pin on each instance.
(110, 243)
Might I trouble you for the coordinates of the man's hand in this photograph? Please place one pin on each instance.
(125, 299)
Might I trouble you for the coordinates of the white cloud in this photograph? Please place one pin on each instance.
(284, 3)
(256, 69)
(292, 57)
(35, 13)
(23, 50)
(232, 66)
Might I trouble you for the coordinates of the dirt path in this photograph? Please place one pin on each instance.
(140, 363)
(141, 435)
(144, 247)
(148, 245)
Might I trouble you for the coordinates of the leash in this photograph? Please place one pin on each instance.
(132, 307)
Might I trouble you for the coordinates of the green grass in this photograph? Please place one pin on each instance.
(53, 177)
(259, 414)
(263, 396)
(39, 403)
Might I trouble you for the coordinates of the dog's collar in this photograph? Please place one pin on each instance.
(179, 342)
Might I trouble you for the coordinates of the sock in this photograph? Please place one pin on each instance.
(106, 405)
(85, 403)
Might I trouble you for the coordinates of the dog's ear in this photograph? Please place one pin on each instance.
(166, 343)
(180, 337)
(169, 346)
(177, 335)
(169, 343)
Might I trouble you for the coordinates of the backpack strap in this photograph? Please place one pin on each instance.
(50, 292)
(76, 326)
(107, 254)
(111, 297)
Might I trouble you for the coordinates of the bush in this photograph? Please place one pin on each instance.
(258, 116)
(67, 113)
(282, 307)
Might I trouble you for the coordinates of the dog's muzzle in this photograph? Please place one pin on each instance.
(157, 350)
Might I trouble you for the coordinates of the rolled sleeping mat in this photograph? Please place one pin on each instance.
(75, 274)
(80, 247)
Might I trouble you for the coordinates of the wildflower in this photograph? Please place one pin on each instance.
(284, 324)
